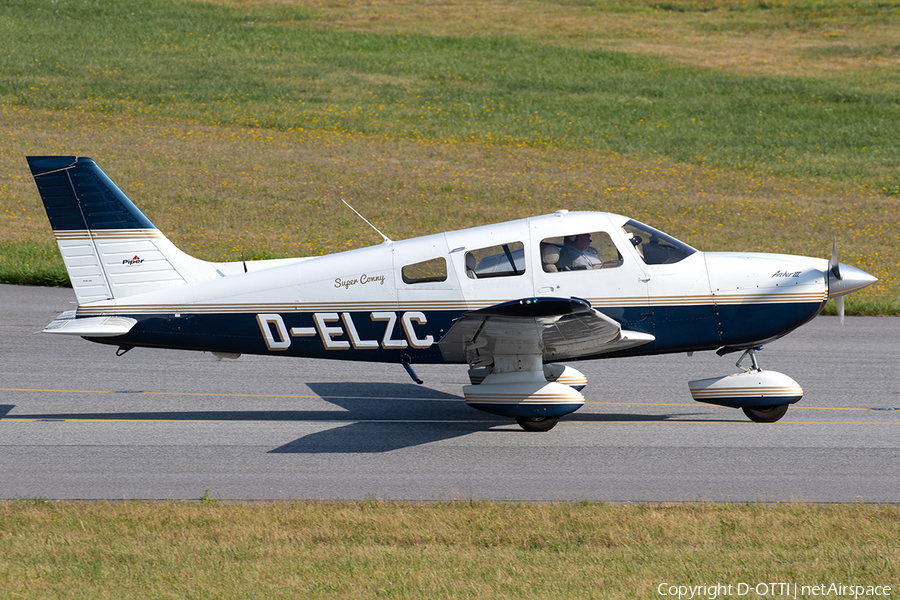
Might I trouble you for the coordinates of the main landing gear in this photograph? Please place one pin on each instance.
(764, 396)
(522, 387)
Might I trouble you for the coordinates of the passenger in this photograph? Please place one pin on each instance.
(573, 255)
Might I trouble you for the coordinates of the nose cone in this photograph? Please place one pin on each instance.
(851, 280)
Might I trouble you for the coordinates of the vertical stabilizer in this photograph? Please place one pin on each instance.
(110, 249)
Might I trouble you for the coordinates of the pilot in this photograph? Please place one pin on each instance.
(573, 255)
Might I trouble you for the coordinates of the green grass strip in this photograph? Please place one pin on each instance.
(442, 550)
(267, 67)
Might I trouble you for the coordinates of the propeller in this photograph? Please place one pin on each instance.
(844, 279)
(834, 273)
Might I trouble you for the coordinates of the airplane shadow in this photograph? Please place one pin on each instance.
(380, 417)
(382, 402)
(362, 437)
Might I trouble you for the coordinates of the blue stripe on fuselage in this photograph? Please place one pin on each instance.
(676, 328)
(709, 327)
(743, 324)
(294, 334)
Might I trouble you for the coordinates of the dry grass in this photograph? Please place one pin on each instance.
(455, 549)
(220, 191)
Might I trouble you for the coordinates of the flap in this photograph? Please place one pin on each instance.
(556, 328)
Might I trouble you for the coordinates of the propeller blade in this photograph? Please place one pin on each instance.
(834, 267)
(843, 280)
(834, 273)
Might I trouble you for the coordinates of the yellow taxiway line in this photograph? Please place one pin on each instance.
(317, 397)
(328, 398)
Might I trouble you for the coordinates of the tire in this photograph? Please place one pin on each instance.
(537, 423)
(767, 414)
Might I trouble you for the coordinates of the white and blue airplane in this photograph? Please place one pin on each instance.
(511, 300)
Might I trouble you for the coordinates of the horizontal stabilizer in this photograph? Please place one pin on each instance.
(68, 324)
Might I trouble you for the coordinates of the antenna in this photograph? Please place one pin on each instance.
(386, 239)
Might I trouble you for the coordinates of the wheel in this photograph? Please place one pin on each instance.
(767, 414)
(537, 423)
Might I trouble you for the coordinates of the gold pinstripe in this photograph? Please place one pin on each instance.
(772, 296)
(532, 399)
(426, 305)
(109, 234)
(747, 391)
(569, 380)
(299, 307)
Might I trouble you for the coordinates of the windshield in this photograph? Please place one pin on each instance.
(654, 246)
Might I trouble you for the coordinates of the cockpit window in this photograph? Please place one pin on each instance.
(582, 251)
(655, 247)
(496, 261)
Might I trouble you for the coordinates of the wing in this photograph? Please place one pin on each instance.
(556, 328)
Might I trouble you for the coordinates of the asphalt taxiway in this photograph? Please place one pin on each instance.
(77, 422)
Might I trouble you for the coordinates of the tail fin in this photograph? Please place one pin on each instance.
(111, 250)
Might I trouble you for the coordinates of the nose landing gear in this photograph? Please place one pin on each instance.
(769, 414)
(764, 396)
(537, 423)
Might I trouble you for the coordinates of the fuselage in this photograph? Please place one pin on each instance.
(395, 301)
(511, 300)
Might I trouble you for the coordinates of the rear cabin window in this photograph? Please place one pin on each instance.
(428, 271)
(580, 252)
(496, 261)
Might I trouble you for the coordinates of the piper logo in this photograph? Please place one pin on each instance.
(133, 261)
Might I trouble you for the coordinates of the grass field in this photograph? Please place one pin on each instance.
(456, 549)
(238, 126)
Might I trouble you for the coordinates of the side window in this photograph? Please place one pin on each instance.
(428, 271)
(496, 261)
(579, 252)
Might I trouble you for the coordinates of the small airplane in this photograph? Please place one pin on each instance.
(512, 300)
